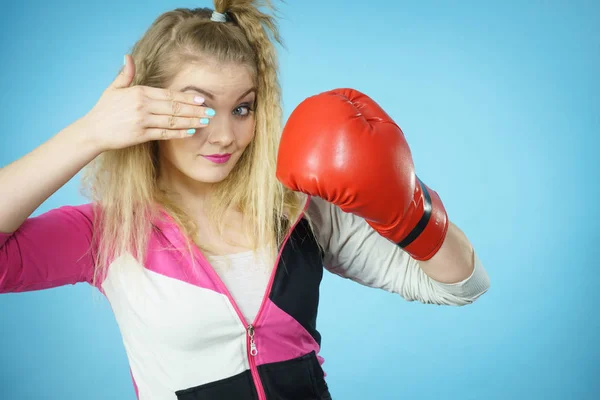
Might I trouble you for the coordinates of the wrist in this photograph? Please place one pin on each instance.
(421, 229)
(80, 134)
(428, 227)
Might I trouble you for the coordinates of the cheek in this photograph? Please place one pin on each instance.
(173, 151)
(245, 133)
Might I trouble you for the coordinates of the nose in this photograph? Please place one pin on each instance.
(220, 131)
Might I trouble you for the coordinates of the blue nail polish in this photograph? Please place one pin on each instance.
(210, 112)
(204, 121)
(191, 131)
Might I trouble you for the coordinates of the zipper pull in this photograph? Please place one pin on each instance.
(253, 349)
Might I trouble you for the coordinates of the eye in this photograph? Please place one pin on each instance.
(243, 110)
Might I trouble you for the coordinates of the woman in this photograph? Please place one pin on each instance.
(211, 265)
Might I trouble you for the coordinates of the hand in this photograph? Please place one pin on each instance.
(341, 146)
(125, 116)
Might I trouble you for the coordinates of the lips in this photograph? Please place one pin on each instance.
(218, 158)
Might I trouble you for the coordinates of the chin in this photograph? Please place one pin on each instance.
(209, 176)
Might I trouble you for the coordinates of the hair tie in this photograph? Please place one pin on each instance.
(218, 17)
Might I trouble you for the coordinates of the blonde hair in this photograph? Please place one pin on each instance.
(124, 183)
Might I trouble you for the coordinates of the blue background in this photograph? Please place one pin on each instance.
(500, 103)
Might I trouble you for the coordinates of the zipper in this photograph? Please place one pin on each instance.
(252, 350)
(250, 330)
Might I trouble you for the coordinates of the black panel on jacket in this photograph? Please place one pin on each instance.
(299, 272)
(240, 386)
(298, 379)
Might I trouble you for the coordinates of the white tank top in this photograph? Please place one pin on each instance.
(246, 276)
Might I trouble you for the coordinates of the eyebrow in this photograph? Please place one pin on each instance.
(211, 96)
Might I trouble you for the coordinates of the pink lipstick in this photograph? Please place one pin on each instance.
(218, 158)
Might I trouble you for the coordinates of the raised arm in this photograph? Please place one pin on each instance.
(53, 248)
(354, 250)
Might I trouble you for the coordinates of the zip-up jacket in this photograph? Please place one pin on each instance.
(183, 333)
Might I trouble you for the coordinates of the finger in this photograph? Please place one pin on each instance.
(168, 134)
(171, 95)
(173, 107)
(173, 122)
(125, 78)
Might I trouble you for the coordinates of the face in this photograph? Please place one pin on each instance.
(210, 154)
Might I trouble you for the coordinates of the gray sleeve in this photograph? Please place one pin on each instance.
(354, 250)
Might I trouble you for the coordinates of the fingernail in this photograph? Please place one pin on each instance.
(124, 60)
(210, 112)
(199, 99)
(191, 131)
(204, 121)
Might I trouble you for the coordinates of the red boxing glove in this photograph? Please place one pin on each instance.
(341, 146)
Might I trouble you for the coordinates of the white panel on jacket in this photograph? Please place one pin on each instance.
(176, 335)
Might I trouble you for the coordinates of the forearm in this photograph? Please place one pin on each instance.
(454, 260)
(29, 181)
